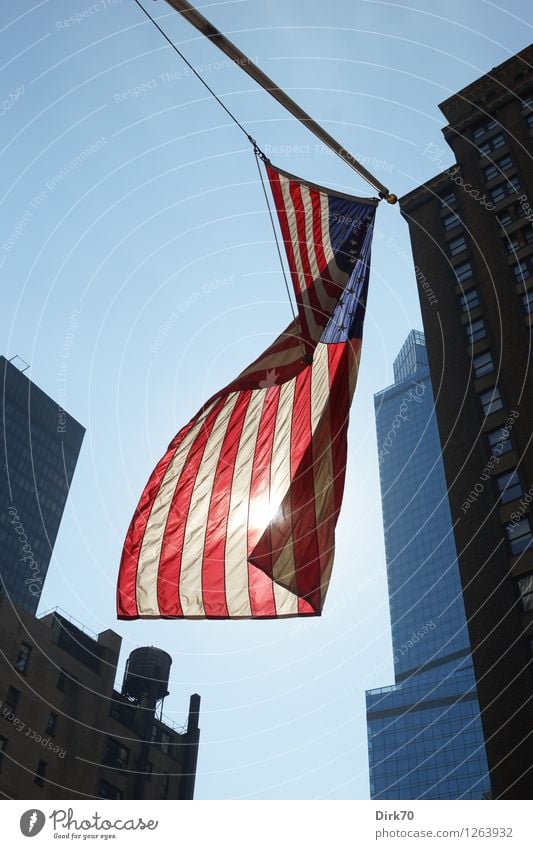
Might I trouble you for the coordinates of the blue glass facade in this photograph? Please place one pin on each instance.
(40, 444)
(425, 737)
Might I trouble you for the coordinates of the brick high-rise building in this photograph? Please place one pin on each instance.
(472, 237)
(67, 733)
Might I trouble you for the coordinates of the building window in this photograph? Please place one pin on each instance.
(509, 187)
(504, 218)
(475, 330)
(23, 658)
(485, 127)
(491, 401)
(149, 770)
(65, 680)
(527, 301)
(530, 646)
(457, 246)
(512, 243)
(116, 754)
(165, 742)
(519, 535)
(114, 709)
(51, 724)
(522, 270)
(497, 141)
(500, 441)
(482, 364)
(509, 486)
(498, 194)
(164, 786)
(40, 773)
(451, 220)
(496, 168)
(463, 271)
(12, 699)
(448, 199)
(3, 747)
(525, 588)
(109, 791)
(469, 300)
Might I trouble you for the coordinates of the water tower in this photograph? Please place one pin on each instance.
(147, 675)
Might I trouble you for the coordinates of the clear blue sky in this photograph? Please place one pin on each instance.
(156, 241)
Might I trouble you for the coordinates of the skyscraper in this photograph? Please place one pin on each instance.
(424, 732)
(40, 444)
(472, 237)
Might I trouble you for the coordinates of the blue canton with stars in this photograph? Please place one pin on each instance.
(350, 228)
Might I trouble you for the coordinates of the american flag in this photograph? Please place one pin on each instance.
(238, 518)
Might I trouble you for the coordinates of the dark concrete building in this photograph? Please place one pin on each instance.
(472, 237)
(67, 733)
(40, 444)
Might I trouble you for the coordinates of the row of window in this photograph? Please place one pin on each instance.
(507, 189)
(498, 139)
(40, 772)
(109, 791)
(509, 484)
(498, 167)
(11, 702)
(523, 269)
(106, 789)
(522, 237)
(518, 239)
(469, 299)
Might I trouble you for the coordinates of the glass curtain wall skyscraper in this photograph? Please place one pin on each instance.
(40, 444)
(424, 732)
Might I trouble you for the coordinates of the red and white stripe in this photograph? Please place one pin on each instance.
(238, 518)
(250, 488)
(303, 213)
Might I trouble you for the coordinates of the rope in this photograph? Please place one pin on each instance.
(199, 77)
(257, 150)
(260, 155)
(257, 153)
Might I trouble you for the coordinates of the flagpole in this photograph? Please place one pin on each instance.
(213, 34)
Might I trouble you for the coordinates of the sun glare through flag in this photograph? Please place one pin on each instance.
(238, 518)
